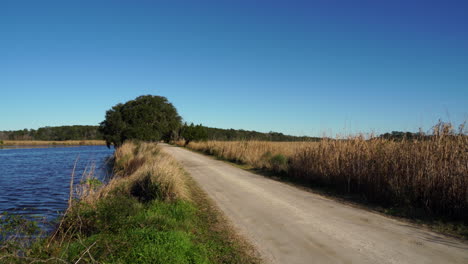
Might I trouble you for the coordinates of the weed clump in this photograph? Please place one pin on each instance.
(279, 163)
(15, 231)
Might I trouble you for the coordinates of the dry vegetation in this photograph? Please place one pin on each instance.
(143, 171)
(430, 173)
(46, 143)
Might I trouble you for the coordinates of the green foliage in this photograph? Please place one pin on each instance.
(166, 247)
(92, 182)
(193, 133)
(120, 229)
(279, 162)
(15, 234)
(147, 118)
(11, 224)
(266, 157)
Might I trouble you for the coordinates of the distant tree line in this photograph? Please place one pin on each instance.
(154, 118)
(58, 133)
(240, 134)
(188, 132)
(192, 132)
(399, 135)
(441, 128)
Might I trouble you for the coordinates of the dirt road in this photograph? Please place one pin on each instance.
(289, 225)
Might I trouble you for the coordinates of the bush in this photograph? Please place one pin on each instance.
(279, 163)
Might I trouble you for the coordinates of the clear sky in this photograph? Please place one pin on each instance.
(297, 67)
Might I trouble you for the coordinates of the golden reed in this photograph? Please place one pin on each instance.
(430, 173)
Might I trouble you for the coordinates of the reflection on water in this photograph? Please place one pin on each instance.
(34, 182)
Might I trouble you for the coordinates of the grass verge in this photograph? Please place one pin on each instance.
(150, 212)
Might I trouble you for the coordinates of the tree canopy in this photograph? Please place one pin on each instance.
(193, 132)
(147, 118)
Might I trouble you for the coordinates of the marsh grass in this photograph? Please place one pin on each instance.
(429, 174)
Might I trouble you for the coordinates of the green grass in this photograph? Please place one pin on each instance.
(124, 230)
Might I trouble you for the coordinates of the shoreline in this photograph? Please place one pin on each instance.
(51, 143)
(43, 146)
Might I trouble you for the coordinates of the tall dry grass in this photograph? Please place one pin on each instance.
(143, 170)
(431, 173)
(258, 154)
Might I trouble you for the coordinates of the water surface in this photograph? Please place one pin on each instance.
(35, 182)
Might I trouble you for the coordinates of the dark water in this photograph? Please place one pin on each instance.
(35, 182)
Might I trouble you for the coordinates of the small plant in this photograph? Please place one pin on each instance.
(92, 182)
(16, 225)
(265, 158)
(279, 163)
(16, 233)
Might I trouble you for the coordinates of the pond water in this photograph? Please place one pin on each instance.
(35, 182)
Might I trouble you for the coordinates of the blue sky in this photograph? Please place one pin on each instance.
(297, 67)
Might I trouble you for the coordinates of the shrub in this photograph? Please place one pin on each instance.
(279, 163)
